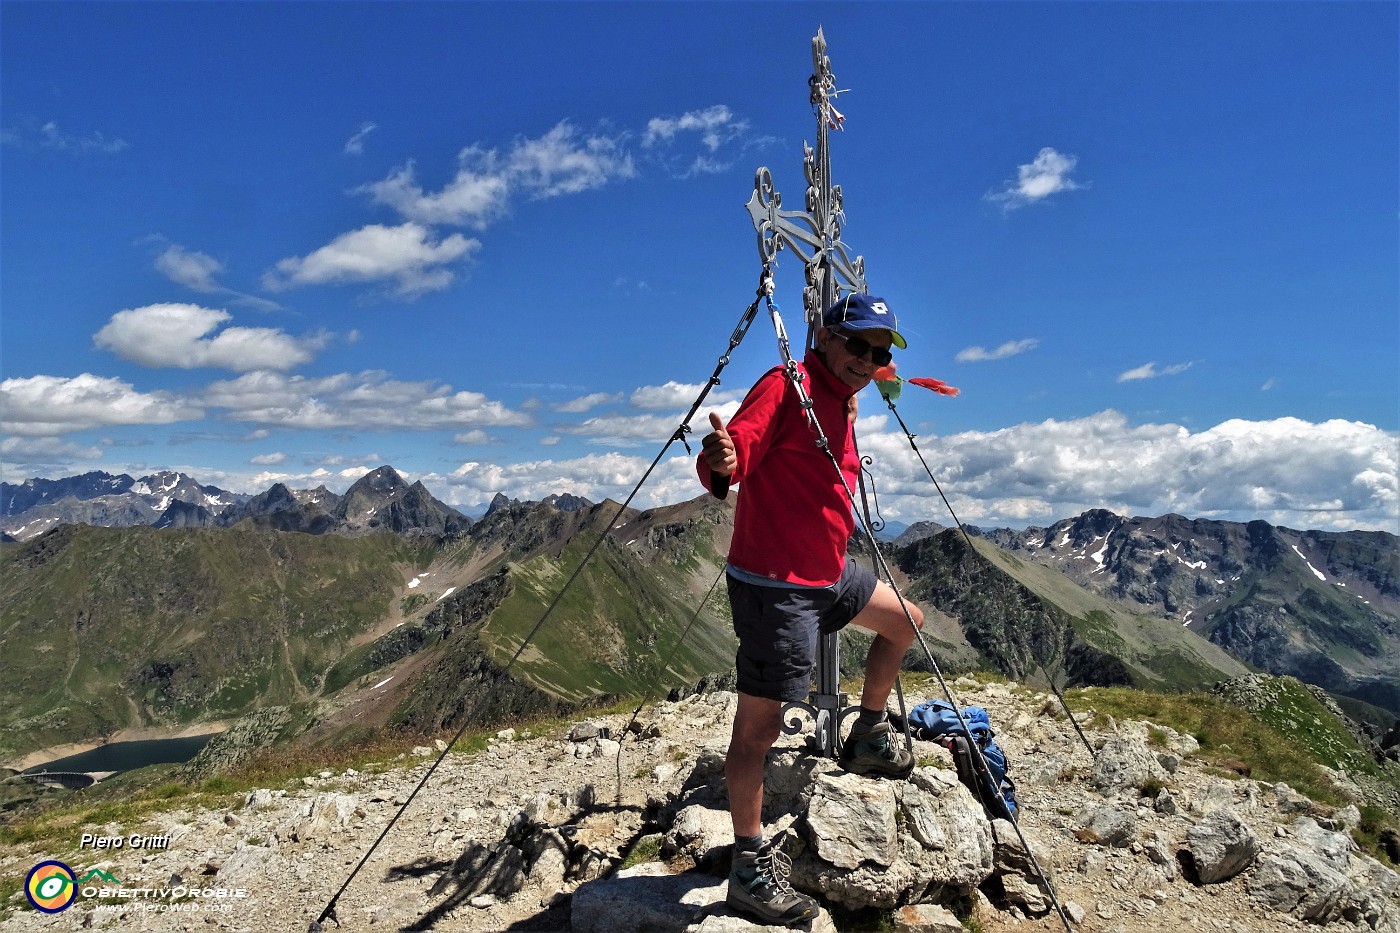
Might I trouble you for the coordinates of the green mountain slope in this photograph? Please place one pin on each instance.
(631, 622)
(1321, 606)
(1025, 618)
(106, 628)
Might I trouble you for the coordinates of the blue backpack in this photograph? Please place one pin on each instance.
(937, 721)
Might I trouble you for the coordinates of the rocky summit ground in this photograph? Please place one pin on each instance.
(531, 834)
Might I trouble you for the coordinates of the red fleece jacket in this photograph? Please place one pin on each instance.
(792, 519)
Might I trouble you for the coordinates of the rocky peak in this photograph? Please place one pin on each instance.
(383, 499)
(369, 493)
(567, 502)
(282, 509)
(498, 502)
(180, 514)
(378, 484)
(917, 532)
(319, 496)
(278, 496)
(1091, 526)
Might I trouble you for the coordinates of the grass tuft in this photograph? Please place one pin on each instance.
(1232, 740)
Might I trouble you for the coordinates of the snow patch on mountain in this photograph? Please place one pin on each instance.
(1317, 573)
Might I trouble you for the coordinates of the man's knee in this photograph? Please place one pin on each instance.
(899, 630)
(757, 722)
(901, 612)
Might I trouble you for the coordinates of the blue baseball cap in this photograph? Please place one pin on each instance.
(863, 312)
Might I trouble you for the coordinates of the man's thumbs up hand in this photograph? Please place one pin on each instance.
(718, 448)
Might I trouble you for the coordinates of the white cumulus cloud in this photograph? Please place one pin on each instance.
(44, 450)
(175, 335)
(367, 400)
(49, 405)
(714, 125)
(595, 476)
(407, 255)
(1045, 175)
(191, 269)
(1332, 475)
(1010, 348)
(473, 198)
(678, 396)
(564, 160)
(588, 402)
(716, 129)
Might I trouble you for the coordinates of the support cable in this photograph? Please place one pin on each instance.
(875, 525)
(765, 289)
(665, 665)
(796, 378)
(1069, 714)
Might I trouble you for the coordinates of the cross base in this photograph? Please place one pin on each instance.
(826, 705)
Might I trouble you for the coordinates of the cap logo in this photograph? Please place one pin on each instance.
(879, 307)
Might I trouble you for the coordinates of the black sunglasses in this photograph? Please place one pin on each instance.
(858, 347)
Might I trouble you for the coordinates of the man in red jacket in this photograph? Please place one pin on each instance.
(789, 579)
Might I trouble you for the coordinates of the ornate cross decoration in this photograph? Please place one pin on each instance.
(814, 235)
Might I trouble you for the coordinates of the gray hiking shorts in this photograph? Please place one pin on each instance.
(778, 627)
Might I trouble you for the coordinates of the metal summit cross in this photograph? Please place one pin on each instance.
(814, 235)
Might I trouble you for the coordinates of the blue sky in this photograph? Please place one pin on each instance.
(500, 246)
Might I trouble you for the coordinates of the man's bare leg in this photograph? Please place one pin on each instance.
(884, 616)
(870, 747)
(757, 722)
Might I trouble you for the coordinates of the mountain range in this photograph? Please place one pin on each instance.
(384, 606)
(381, 499)
(33, 507)
(1322, 606)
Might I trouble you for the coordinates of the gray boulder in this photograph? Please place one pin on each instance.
(1020, 881)
(852, 820)
(324, 817)
(1125, 763)
(1221, 846)
(926, 918)
(648, 897)
(700, 833)
(852, 853)
(1107, 825)
(1318, 876)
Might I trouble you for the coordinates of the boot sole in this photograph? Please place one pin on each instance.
(749, 912)
(876, 770)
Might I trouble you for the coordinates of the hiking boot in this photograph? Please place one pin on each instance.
(758, 888)
(876, 753)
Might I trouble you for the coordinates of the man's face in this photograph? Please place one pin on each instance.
(852, 369)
